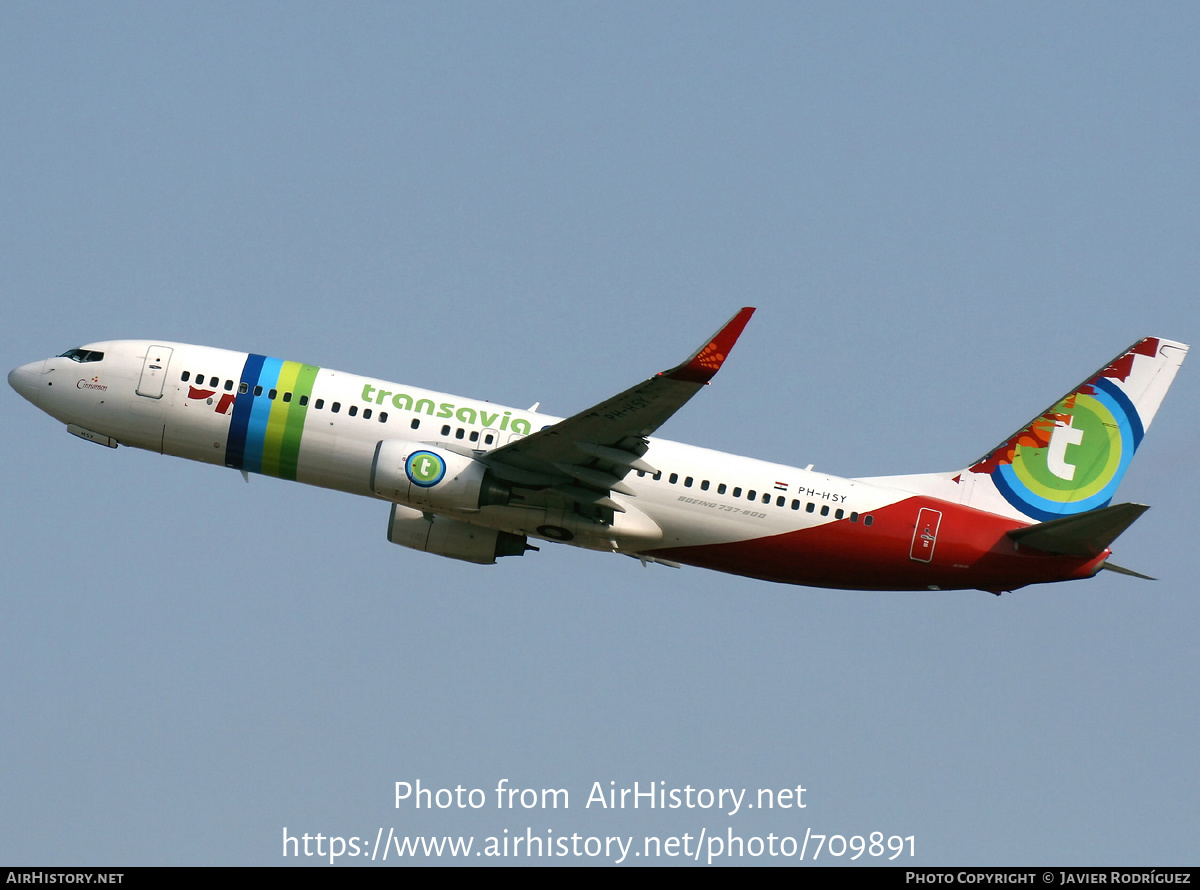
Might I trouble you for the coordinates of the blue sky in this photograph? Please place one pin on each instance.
(946, 214)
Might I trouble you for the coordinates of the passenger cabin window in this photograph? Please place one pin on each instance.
(243, 387)
(303, 401)
(353, 410)
(383, 417)
(185, 376)
(721, 488)
(228, 386)
(319, 404)
(415, 423)
(704, 485)
(673, 478)
(287, 396)
(366, 414)
(446, 430)
(257, 391)
(214, 381)
(336, 407)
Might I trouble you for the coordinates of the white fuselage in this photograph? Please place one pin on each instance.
(691, 502)
(703, 507)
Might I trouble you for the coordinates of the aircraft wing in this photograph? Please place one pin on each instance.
(585, 457)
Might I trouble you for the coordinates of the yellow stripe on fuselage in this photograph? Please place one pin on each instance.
(277, 421)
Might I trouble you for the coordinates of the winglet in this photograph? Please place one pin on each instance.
(707, 360)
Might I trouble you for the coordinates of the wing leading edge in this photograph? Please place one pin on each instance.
(585, 457)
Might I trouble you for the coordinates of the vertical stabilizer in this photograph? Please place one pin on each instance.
(1071, 457)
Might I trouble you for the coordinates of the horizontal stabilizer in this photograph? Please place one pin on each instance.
(1084, 534)
(1121, 570)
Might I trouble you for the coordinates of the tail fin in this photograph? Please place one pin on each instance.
(1071, 457)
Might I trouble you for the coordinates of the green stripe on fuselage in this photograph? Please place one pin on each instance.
(289, 450)
(285, 425)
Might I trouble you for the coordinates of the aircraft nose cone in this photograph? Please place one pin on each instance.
(25, 379)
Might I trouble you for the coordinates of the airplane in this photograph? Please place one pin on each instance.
(475, 481)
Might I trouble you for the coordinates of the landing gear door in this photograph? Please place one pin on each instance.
(154, 372)
(925, 535)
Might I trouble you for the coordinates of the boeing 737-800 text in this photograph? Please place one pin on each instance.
(476, 481)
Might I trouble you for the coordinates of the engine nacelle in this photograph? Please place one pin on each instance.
(432, 478)
(450, 537)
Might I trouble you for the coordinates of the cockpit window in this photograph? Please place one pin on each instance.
(83, 355)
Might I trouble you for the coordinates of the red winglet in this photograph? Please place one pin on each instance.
(707, 360)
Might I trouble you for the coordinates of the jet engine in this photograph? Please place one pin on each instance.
(433, 478)
(451, 537)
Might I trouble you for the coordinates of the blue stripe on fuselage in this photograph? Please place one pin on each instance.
(260, 412)
(235, 446)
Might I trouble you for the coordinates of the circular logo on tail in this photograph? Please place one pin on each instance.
(424, 468)
(1072, 458)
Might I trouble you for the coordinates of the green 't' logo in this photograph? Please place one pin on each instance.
(424, 468)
